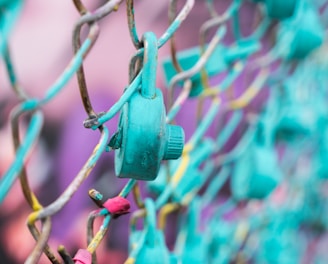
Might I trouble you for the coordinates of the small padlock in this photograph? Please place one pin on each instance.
(241, 50)
(218, 62)
(187, 59)
(303, 31)
(302, 110)
(256, 173)
(145, 138)
(280, 9)
(278, 241)
(312, 206)
(220, 248)
(194, 245)
(148, 245)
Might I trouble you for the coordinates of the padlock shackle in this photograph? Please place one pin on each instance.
(148, 78)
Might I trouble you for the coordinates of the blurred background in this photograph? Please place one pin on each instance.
(41, 47)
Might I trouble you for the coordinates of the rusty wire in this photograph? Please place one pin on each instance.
(30, 106)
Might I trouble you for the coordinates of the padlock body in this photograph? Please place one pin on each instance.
(187, 59)
(256, 174)
(142, 124)
(150, 252)
(281, 9)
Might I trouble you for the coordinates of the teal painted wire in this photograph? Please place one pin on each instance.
(172, 113)
(12, 75)
(215, 186)
(10, 67)
(8, 16)
(68, 72)
(141, 242)
(74, 185)
(231, 77)
(12, 173)
(148, 76)
(173, 27)
(246, 139)
(205, 123)
(228, 129)
(106, 222)
(119, 104)
(127, 188)
(261, 29)
(163, 198)
(197, 136)
(235, 18)
(224, 208)
(176, 23)
(63, 79)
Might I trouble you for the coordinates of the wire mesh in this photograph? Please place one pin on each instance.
(242, 183)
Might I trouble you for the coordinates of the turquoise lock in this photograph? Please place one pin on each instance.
(192, 247)
(303, 32)
(220, 60)
(144, 137)
(302, 110)
(277, 240)
(241, 50)
(148, 245)
(321, 156)
(256, 174)
(220, 236)
(279, 247)
(187, 59)
(280, 9)
(312, 206)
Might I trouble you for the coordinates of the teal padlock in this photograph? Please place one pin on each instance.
(313, 206)
(280, 9)
(219, 234)
(302, 110)
(148, 245)
(144, 137)
(279, 247)
(193, 247)
(256, 174)
(303, 32)
(277, 240)
(219, 61)
(319, 160)
(241, 50)
(187, 59)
